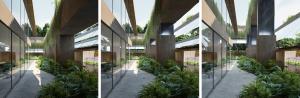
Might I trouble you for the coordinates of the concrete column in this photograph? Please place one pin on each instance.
(150, 49)
(78, 56)
(65, 48)
(165, 43)
(251, 42)
(266, 40)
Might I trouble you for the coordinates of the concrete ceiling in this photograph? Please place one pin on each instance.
(172, 10)
(78, 15)
(130, 10)
(29, 9)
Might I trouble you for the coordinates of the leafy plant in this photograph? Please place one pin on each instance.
(279, 84)
(252, 66)
(72, 81)
(77, 84)
(155, 89)
(148, 65)
(286, 42)
(171, 81)
(256, 90)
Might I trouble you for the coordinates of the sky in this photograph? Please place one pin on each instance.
(43, 11)
(241, 8)
(143, 10)
(284, 9)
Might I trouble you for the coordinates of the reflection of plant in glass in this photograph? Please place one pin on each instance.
(208, 67)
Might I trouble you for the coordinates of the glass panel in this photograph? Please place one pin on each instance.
(217, 51)
(16, 55)
(207, 60)
(108, 3)
(123, 58)
(224, 57)
(106, 60)
(16, 10)
(116, 58)
(5, 60)
(22, 58)
(117, 10)
(8, 4)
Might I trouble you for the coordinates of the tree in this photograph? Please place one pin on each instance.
(139, 29)
(45, 29)
(38, 30)
(145, 28)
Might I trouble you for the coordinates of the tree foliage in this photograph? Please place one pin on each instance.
(41, 32)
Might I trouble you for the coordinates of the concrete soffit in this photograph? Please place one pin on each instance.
(130, 10)
(211, 20)
(108, 19)
(232, 14)
(29, 9)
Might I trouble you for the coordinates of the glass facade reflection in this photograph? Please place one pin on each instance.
(114, 56)
(13, 57)
(216, 54)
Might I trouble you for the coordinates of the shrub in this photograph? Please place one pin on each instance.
(286, 42)
(71, 81)
(171, 81)
(278, 84)
(148, 65)
(48, 65)
(154, 90)
(256, 90)
(181, 83)
(77, 84)
(252, 66)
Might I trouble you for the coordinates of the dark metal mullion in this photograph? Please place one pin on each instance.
(221, 59)
(112, 57)
(11, 49)
(213, 66)
(112, 49)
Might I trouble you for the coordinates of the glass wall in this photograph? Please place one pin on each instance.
(215, 59)
(114, 61)
(13, 57)
(114, 57)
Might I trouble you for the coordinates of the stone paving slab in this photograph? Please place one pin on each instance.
(30, 84)
(232, 84)
(131, 83)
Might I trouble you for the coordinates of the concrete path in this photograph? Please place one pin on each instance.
(131, 83)
(232, 83)
(30, 84)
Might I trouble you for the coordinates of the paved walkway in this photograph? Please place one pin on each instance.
(30, 84)
(232, 83)
(131, 83)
